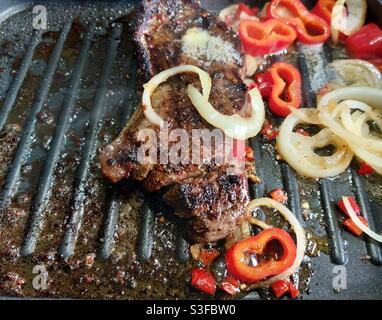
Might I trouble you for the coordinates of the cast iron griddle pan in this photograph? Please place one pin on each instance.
(67, 91)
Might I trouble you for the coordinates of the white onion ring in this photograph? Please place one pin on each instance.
(350, 23)
(298, 151)
(234, 126)
(356, 72)
(300, 239)
(359, 223)
(361, 128)
(370, 96)
(150, 87)
(250, 64)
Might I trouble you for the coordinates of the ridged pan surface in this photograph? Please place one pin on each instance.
(67, 91)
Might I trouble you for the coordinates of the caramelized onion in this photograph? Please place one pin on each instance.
(356, 72)
(234, 126)
(329, 108)
(299, 150)
(150, 87)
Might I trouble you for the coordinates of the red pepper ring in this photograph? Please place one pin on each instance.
(310, 28)
(286, 91)
(261, 38)
(323, 9)
(235, 257)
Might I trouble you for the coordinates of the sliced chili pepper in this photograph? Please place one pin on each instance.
(310, 28)
(264, 83)
(261, 38)
(243, 8)
(279, 196)
(353, 228)
(365, 169)
(237, 255)
(280, 287)
(366, 43)
(208, 256)
(269, 132)
(286, 91)
(230, 285)
(203, 280)
(353, 204)
(323, 9)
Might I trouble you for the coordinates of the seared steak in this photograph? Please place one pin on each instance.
(168, 34)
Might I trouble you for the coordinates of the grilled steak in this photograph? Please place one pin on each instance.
(172, 33)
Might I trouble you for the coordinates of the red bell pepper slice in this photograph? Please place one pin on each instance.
(243, 8)
(279, 195)
(264, 83)
(365, 169)
(208, 256)
(293, 291)
(366, 43)
(323, 9)
(251, 86)
(353, 204)
(281, 287)
(237, 254)
(310, 28)
(230, 285)
(353, 228)
(203, 280)
(261, 38)
(286, 91)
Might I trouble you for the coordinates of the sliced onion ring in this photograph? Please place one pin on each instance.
(347, 23)
(298, 150)
(370, 96)
(300, 239)
(356, 72)
(250, 64)
(150, 87)
(234, 126)
(358, 222)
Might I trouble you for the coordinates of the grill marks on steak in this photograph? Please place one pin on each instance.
(207, 193)
(215, 200)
